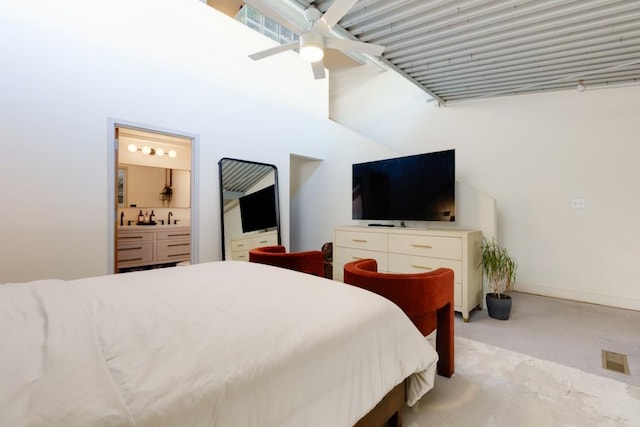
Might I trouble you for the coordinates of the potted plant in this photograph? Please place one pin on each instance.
(166, 195)
(500, 270)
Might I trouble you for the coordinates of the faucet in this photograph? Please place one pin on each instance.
(169, 218)
(122, 218)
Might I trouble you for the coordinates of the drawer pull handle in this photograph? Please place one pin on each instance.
(357, 257)
(421, 267)
(178, 235)
(129, 237)
(240, 245)
(178, 244)
(170, 255)
(359, 240)
(129, 249)
(263, 241)
(129, 260)
(415, 245)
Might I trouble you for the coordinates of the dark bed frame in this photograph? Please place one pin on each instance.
(388, 410)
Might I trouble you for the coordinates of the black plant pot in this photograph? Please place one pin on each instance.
(499, 308)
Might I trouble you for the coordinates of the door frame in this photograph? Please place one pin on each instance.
(112, 166)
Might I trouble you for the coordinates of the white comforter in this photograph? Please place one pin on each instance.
(215, 344)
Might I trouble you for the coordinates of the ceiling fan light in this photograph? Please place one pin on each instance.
(311, 53)
(312, 46)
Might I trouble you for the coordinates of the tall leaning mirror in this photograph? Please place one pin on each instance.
(250, 214)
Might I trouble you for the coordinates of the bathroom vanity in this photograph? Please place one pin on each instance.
(150, 246)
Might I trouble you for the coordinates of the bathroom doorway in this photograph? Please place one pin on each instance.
(152, 171)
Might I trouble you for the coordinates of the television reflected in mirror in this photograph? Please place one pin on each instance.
(258, 210)
(249, 204)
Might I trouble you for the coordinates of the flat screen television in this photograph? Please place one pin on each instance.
(412, 188)
(258, 210)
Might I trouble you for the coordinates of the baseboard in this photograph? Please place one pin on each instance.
(576, 295)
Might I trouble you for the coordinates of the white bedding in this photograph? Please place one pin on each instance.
(215, 344)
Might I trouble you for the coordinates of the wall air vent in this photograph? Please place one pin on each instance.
(615, 362)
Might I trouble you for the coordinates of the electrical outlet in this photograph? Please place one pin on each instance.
(577, 203)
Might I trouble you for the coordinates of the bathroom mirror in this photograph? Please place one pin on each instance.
(153, 187)
(249, 208)
(155, 169)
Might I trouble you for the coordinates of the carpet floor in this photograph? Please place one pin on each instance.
(497, 387)
(566, 332)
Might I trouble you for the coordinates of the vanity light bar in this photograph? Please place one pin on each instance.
(132, 148)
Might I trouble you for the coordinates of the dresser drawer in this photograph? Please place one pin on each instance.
(417, 264)
(342, 256)
(240, 255)
(361, 240)
(345, 255)
(131, 236)
(266, 239)
(173, 250)
(241, 244)
(183, 233)
(431, 246)
(134, 254)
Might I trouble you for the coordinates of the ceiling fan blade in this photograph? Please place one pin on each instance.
(263, 7)
(354, 46)
(336, 11)
(318, 70)
(274, 50)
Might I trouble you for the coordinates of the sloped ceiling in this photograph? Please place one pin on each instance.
(469, 49)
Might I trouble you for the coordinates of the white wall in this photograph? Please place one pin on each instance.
(321, 198)
(71, 65)
(533, 153)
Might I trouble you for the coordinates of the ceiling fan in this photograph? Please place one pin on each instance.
(314, 38)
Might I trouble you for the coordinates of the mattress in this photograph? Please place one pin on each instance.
(214, 344)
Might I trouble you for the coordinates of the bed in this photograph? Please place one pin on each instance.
(215, 344)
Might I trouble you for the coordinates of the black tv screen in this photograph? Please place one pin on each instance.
(414, 188)
(258, 210)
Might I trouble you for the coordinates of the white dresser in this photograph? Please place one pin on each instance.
(240, 245)
(413, 250)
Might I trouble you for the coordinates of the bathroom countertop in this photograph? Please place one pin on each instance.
(155, 227)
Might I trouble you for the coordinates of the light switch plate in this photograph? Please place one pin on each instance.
(578, 203)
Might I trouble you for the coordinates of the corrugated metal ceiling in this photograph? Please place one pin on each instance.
(469, 49)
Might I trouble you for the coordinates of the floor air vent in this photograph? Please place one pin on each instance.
(615, 362)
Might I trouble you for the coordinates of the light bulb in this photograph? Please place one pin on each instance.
(132, 148)
(159, 152)
(311, 53)
(580, 87)
(173, 154)
(312, 46)
(146, 150)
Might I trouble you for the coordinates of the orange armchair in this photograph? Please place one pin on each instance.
(311, 262)
(426, 298)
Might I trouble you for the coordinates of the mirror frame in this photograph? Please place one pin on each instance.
(277, 201)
